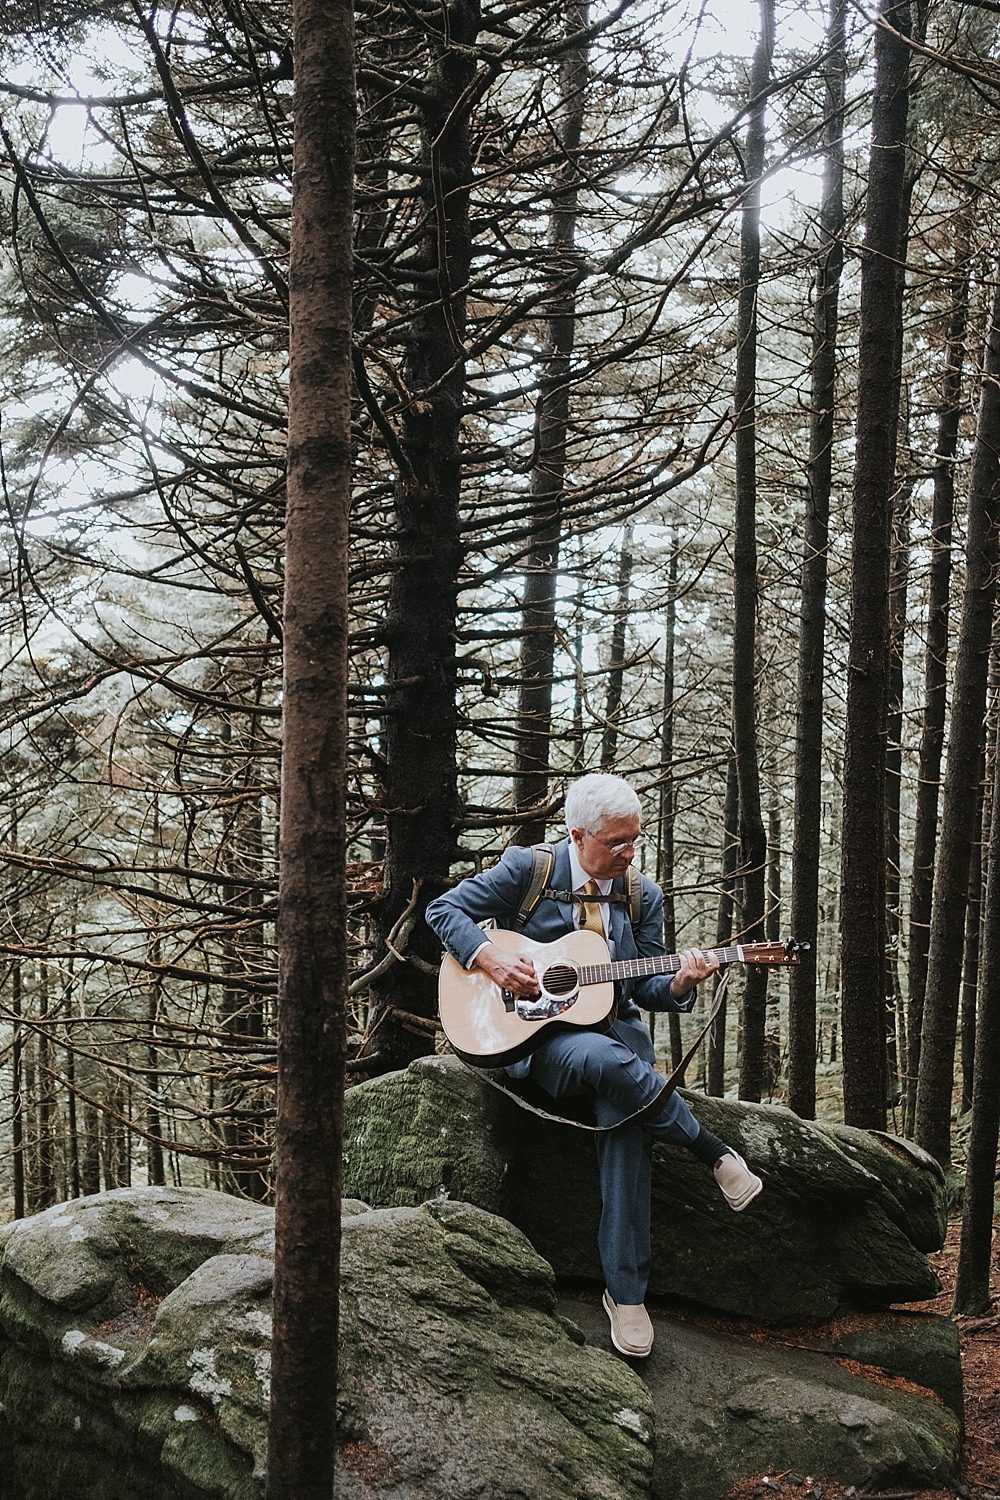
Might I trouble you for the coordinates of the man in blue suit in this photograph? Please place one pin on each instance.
(615, 1067)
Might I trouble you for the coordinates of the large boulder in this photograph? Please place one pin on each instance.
(728, 1406)
(135, 1344)
(845, 1220)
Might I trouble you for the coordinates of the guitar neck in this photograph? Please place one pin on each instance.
(642, 968)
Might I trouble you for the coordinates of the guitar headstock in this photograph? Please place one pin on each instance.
(778, 955)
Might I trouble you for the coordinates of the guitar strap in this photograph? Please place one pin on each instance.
(648, 1113)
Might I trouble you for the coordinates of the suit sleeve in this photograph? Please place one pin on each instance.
(496, 893)
(654, 993)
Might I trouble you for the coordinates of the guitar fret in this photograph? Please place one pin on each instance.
(639, 968)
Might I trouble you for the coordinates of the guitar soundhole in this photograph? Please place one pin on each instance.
(560, 979)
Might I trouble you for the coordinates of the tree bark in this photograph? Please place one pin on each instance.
(936, 657)
(541, 569)
(863, 837)
(616, 660)
(961, 785)
(773, 923)
(423, 813)
(970, 961)
(724, 924)
(667, 801)
(972, 1282)
(16, 1083)
(806, 832)
(312, 924)
(753, 836)
(899, 573)
(45, 1190)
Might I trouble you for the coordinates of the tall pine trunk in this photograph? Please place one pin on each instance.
(423, 813)
(972, 1283)
(541, 569)
(899, 574)
(970, 959)
(863, 838)
(753, 836)
(724, 924)
(616, 659)
(962, 774)
(312, 924)
(936, 657)
(812, 626)
(17, 1086)
(667, 810)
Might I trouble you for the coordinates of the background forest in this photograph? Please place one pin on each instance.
(610, 364)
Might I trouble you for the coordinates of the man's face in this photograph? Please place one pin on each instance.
(594, 849)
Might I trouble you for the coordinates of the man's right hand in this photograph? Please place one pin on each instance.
(511, 971)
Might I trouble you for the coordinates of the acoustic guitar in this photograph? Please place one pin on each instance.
(489, 1027)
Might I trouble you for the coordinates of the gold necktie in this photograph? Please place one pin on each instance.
(590, 911)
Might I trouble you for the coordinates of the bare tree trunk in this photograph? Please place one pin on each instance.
(667, 801)
(936, 656)
(16, 1090)
(899, 573)
(616, 660)
(73, 1141)
(863, 840)
(753, 837)
(45, 1190)
(423, 813)
(538, 609)
(972, 1283)
(961, 785)
(724, 923)
(970, 961)
(773, 923)
(312, 928)
(578, 737)
(91, 1170)
(154, 1123)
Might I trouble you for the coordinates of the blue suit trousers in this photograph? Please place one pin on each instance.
(617, 1070)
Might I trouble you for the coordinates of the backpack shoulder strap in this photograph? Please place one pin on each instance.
(543, 858)
(634, 897)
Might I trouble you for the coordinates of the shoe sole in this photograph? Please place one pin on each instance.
(622, 1348)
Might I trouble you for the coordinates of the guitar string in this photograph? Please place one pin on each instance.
(638, 968)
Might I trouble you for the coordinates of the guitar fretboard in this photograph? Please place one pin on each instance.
(641, 968)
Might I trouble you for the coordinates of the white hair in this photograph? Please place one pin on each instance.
(592, 800)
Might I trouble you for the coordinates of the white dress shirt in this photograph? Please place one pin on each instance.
(579, 878)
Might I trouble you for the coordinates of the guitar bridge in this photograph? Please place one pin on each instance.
(509, 1001)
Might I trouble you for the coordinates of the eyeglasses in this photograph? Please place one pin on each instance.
(640, 838)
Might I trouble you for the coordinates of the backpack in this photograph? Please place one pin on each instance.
(543, 858)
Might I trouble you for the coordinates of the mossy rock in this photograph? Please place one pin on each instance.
(728, 1406)
(111, 1390)
(844, 1221)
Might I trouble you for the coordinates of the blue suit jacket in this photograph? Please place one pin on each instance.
(498, 893)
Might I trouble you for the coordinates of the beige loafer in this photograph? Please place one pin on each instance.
(739, 1185)
(631, 1329)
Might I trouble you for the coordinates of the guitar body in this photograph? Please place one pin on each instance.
(489, 1030)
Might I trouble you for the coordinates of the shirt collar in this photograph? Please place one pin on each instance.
(580, 876)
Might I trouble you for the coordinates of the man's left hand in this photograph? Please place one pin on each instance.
(695, 966)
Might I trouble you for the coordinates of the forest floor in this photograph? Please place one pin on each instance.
(981, 1367)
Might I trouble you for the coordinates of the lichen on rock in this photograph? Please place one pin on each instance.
(137, 1367)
